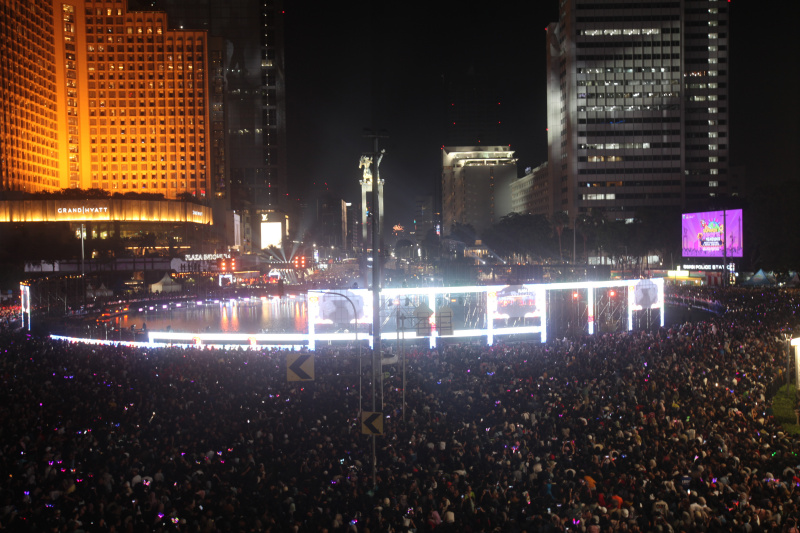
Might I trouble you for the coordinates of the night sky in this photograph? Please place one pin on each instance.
(357, 65)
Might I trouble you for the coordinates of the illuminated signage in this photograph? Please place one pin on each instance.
(707, 267)
(205, 257)
(82, 209)
(122, 210)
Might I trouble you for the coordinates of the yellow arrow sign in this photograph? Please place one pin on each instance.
(371, 422)
(300, 367)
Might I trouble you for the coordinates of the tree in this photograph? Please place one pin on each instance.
(463, 232)
(587, 225)
(431, 244)
(404, 249)
(520, 238)
(560, 220)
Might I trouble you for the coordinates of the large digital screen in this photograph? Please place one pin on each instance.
(710, 233)
(516, 301)
(270, 234)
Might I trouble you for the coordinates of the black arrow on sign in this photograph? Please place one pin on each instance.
(368, 423)
(295, 367)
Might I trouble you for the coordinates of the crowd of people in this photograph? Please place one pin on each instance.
(668, 430)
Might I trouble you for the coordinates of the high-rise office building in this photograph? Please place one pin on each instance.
(95, 96)
(637, 105)
(250, 89)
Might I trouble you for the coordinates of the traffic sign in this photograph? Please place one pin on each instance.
(371, 422)
(444, 321)
(300, 367)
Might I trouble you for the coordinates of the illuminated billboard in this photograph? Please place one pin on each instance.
(271, 234)
(708, 234)
(517, 301)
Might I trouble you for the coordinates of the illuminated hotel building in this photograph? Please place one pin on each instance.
(476, 185)
(637, 105)
(96, 97)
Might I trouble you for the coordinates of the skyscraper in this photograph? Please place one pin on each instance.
(476, 185)
(248, 104)
(637, 105)
(96, 97)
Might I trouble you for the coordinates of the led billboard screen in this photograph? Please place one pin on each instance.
(705, 234)
(270, 234)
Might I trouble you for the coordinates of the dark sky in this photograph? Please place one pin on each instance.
(357, 65)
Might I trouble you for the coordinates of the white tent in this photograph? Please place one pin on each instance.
(100, 292)
(165, 284)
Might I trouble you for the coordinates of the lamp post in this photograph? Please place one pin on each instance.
(355, 317)
(787, 337)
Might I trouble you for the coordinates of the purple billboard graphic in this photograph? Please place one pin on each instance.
(705, 234)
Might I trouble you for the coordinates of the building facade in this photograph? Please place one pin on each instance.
(476, 185)
(637, 105)
(96, 97)
(248, 91)
(530, 194)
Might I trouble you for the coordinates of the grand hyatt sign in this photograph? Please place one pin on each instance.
(113, 210)
(82, 209)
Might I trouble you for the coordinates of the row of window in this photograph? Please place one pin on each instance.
(629, 18)
(107, 45)
(629, 183)
(596, 135)
(631, 196)
(629, 146)
(626, 83)
(626, 44)
(629, 120)
(620, 158)
(160, 57)
(611, 70)
(628, 108)
(629, 94)
(650, 5)
(628, 31)
(161, 84)
(629, 170)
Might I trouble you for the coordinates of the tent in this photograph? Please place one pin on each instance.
(794, 280)
(165, 284)
(759, 279)
(100, 292)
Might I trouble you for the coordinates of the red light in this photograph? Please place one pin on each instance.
(612, 293)
(575, 295)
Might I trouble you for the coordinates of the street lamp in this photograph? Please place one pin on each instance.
(355, 317)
